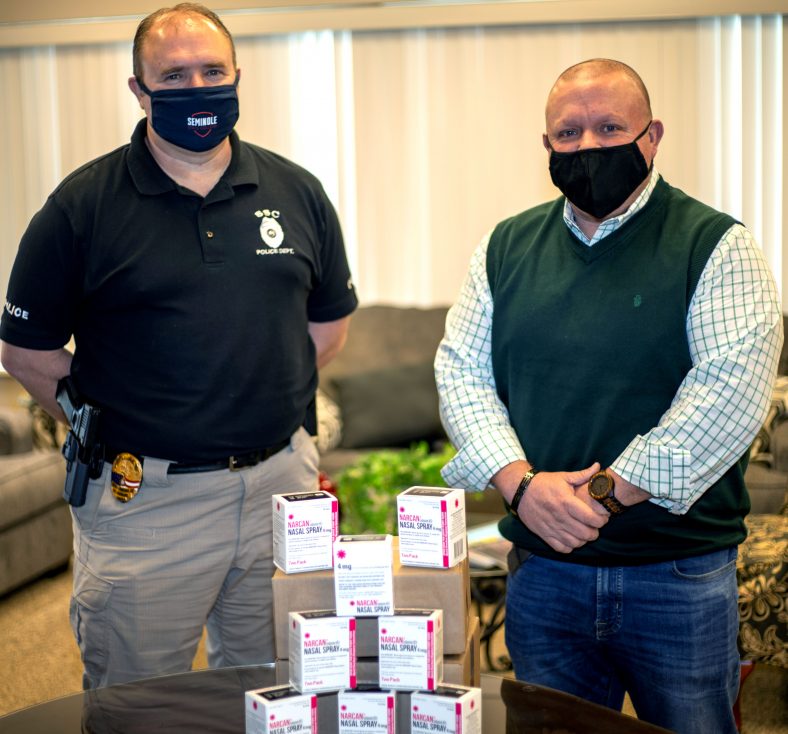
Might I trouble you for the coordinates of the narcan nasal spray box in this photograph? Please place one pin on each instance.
(410, 649)
(280, 709)
(367, 710)
(305, 528)
(363, 576)
(322, 651)
(449, 709)
(431, 527)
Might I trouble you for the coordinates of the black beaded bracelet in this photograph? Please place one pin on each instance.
(520, 492)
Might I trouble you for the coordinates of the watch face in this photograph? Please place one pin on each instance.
(600, 486)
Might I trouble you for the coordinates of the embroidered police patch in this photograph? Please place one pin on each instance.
(271, 232)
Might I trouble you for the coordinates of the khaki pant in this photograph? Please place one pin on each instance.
(190, 550)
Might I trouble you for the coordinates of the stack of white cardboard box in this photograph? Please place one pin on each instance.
(373, 633)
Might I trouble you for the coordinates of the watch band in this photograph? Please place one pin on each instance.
(520, 491)
(611, 504)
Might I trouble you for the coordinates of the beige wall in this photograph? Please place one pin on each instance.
(41, 21)
(38, 10)
(556, 10)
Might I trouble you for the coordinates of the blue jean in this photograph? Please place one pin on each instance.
(665, 633)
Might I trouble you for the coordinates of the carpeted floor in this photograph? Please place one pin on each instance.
(39, 654)
(40, 660)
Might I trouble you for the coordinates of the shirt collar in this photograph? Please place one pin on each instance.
(145, 172)
(608, 226)
(242, 168)
(150, 179)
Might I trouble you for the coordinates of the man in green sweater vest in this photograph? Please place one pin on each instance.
(609, 360)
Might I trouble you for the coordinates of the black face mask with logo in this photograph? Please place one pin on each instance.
(194, 118)
(599, 180)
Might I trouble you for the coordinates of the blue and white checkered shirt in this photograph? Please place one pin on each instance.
(734, 328)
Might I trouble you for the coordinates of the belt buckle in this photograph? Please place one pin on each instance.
(236, 463)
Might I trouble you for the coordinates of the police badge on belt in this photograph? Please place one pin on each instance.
(126, 477)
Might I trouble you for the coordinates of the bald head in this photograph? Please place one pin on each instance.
(593, 70)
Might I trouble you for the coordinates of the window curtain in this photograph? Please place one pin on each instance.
(424, 139)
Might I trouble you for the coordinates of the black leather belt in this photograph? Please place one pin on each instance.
(233, 463)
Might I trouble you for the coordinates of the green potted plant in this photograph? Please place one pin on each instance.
(367, 490)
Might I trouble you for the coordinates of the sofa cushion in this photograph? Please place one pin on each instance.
(383, 336)
(778, 444)
(394, 406)
(16, 431)
(29, 484)
(768, 489)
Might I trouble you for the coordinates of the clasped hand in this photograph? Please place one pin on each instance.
(558, 508)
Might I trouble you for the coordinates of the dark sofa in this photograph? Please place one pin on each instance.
(380, 391)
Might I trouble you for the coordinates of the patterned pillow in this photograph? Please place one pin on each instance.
(329, 423)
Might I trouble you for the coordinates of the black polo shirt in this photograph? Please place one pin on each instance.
(189, 314)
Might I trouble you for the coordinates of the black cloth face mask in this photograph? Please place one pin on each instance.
(194, 118)
(599, 180)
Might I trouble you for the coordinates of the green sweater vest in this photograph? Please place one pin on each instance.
(589, 347)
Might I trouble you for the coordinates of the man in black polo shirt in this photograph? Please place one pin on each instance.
(204, 280)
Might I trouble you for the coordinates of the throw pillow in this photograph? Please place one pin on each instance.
(389, 407)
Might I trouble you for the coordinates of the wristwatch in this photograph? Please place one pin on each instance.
(520, 491)
(600, 487)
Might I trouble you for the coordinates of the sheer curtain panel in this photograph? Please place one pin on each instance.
(424, 138)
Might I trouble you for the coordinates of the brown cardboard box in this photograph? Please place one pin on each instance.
(463, 669)
(415, 587)
(468, 664)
